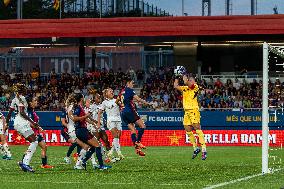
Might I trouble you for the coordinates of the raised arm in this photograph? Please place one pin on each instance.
(75, 118)
(137, 98)
(119, 101)
(176, 85)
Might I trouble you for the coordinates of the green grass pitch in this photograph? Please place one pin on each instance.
(163, 167)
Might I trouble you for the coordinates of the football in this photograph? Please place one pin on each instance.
(180, 70)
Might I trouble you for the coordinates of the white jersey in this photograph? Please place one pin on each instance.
(112, 110)
(71, 124)
(17, 103)
(94, 109)
(21, 124)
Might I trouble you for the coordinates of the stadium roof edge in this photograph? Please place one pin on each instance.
(194, 26)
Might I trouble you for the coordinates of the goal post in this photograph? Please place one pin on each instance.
(279, 52)
(265, 109)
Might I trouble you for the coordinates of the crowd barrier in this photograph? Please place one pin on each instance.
(166, 129)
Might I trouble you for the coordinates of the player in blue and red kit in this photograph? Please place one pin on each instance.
(130, 116)
(83, 134)
(32, 104)
(64, 133)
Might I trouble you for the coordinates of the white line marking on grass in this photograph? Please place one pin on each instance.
(66, 182)
(239, 180)
(70, 182)
(174, 184)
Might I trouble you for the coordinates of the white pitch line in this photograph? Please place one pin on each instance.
(66, 182)
(239, 180)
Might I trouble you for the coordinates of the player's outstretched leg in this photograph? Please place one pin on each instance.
(79, 161)
(104, 137)
(139, 138)
(43, 147)
(7, 153)
(116, 135)
(25, 165)
(203, 143)
(4, 148)
(69, 152)
(196, 150)
(134, 140)
(138, 143)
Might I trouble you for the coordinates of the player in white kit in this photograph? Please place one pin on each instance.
(23, 124)
(4, 148)
(70, 102)
(93, 106)
(94, 109)
(110, 106)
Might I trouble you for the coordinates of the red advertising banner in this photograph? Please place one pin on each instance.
(173, 138)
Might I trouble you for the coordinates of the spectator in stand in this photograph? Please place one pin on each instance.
(236, 108)
(53, 81)
(254, 84)
(166, 97)
(247, 102)
(132, 74)
(218, 83)
(213, 94)
(140, 77)
(237, 84)
(52, 73)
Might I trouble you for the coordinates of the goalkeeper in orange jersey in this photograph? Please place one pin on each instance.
(191, 120)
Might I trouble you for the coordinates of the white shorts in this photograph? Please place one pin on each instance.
(91, 129)
(71, 132)
(72, 135)
(114, 124)
(23, 127)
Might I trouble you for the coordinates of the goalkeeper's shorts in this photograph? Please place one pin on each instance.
(191, 117)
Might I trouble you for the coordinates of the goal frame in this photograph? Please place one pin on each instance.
(277, 50)
(265, 109)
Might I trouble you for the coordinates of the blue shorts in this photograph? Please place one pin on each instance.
(65, 134)
(129, 117)
(83, 134)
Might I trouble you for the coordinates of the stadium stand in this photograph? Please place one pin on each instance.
(155, 86)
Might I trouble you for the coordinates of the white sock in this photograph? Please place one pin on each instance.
(2, 152)
(81, 157)
(112, 148)
(29, 153)
(116, 144)
(7, 150)
(93, 160)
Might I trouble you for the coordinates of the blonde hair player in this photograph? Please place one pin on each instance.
(114, 123)
(23, 125)
(191, 119)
